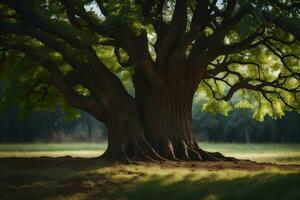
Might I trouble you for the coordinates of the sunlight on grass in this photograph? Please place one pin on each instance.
(154, 182)
(277, 153)
(203, 184)
(73, 153)
(81, 179)
(182, 173)
(87, 150)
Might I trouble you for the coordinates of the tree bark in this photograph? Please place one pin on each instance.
(155, 125)
(166, 118)
(126, 139)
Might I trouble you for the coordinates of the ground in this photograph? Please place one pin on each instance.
(84, 178)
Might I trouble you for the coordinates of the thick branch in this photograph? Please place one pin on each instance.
(73, 98)
(174, 33)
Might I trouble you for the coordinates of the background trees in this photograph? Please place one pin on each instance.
(243, 54)
(238, 126)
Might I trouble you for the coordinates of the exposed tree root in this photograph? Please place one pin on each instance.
(142, 151)
(129, 152)
(215, 156)
(188, 150)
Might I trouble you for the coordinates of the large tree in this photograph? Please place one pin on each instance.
(236, 51)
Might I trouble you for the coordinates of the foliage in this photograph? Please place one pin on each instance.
(238, 126)
(253, 46)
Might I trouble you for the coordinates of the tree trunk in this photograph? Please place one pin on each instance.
(166, 116)
(126, 139)
(156, 125)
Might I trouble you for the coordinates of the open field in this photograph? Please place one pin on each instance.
(83, 178)
(277, 153)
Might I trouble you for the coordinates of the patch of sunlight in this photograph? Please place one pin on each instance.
(211, 197)
(30, 154)
(153, 182)
(277, 153)
(266, 157)
(172, 175)
(52, 147)
(76, 196)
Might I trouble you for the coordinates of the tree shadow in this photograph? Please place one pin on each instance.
(61, 178)
(289, 159)
(66, 178)
(263, 186)
(43, 177)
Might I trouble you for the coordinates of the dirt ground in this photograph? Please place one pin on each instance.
(83, 178)
(88, 162)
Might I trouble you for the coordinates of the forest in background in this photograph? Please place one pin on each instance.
(238, 126)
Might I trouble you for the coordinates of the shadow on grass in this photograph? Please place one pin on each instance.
(289, 159)
(68, 178)
(44, 177)
(100, 186)
(263, 186)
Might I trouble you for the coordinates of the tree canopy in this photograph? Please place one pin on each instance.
(137, 64)
(248, 49)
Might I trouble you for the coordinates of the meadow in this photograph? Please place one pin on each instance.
(27, 171)
(275, 153)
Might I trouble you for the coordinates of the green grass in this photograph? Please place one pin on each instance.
(217, 185)
(86, 150)
(49, 147)
(80, 179)
(76, 180)
(277, 153)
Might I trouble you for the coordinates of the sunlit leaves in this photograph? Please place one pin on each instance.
(215, 106)
(80, 89)
(273, 63)
(276, 64)
(244, 103)
(108, 57)
(121, 12)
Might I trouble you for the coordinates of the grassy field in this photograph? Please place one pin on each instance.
(277, 153)
(88, 179)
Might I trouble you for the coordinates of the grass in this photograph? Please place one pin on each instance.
(86, 150)
(276, 153)
(226, 184)
(81, 178)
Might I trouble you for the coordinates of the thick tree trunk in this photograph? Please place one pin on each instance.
(156, 125)
(166, 116)
(126, 139)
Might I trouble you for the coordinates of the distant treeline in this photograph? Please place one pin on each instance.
(237, 127)
(240, 127)
(49, 127)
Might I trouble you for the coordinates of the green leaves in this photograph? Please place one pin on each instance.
(261, 73)
(121, 12)
(214, 106)
(27, 85)
(80, 89)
